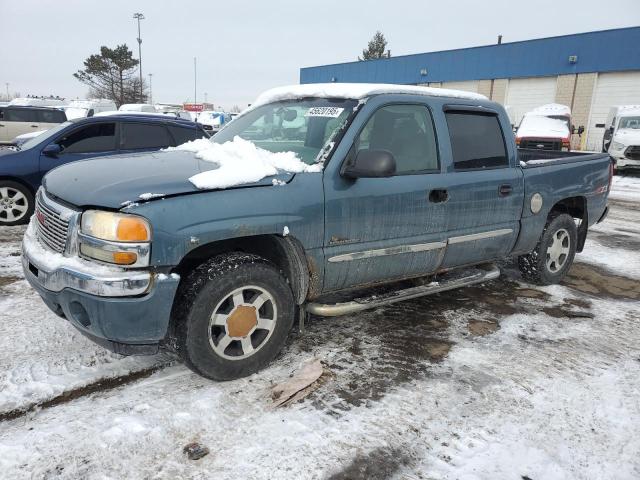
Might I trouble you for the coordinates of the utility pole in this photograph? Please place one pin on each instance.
(7, 85)
(150, 89)
(139, 16)
(195, 81)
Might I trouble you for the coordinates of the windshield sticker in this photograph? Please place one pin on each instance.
(331, 112)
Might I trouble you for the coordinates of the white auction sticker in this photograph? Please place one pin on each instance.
(331, 112)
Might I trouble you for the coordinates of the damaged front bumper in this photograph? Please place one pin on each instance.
(127, 312)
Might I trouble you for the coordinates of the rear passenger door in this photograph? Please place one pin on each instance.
(19, 121)
(485, 189)
(140, 137)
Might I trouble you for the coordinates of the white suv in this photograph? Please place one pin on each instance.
(16, 120)
(625, 139)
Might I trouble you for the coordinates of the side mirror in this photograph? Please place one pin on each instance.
(580, 129)
(52, 150)
(371, 164)
(573, 129)
(611, 129)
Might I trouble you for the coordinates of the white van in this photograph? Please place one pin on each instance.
(88, 108)
(611, 125)
(623, 131)
(17, 119)
(137, 107)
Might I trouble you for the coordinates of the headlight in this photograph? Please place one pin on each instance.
(115, 227)
(116, 238)
(617, 146)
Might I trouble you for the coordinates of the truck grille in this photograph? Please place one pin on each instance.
(633, 152)
(541, 144)
(51, 229)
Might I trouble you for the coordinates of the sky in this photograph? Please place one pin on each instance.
(246, 46)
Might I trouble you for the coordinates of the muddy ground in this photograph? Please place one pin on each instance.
(411, 391)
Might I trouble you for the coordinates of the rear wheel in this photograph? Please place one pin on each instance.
(16, 203)
(233, 316)
(553, 256)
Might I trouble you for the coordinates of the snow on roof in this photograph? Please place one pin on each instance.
(628, 110)
(355, 91)
(551, 109)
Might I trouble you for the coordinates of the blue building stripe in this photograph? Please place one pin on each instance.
(602, 51)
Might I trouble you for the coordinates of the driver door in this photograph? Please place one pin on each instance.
(88, 141)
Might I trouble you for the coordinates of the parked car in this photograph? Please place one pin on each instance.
(137, 107)
(215, 262)
(547, 128)
(21, 169)
(16, 120)
(622, 137)
(213, 121)
(88, 108)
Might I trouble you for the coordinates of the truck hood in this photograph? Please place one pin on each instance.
(627, 136)
(116, 181)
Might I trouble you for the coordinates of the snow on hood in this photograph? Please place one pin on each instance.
(541, 126)
(627, 136)
(240, 162)
(354, 91)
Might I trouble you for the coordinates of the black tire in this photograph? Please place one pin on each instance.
(535, 266)
(201, 293)
(20, 198)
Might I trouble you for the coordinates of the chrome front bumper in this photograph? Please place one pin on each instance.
(48, 269)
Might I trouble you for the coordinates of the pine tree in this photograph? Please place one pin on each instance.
(376, 48)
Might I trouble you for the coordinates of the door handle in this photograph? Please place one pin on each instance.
(438, 195)
(505, 190)
(34, 126)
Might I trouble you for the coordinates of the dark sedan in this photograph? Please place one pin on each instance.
(22, 168)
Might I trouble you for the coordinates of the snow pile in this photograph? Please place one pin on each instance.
(240, 162)
(541, 126)
(149, 196)
(354, 91)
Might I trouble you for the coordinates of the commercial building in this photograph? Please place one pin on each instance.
(589, 72)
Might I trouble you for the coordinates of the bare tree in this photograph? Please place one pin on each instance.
(112, 74)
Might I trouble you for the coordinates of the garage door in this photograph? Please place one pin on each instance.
(468, 86)
(525, 94)
(620, 88)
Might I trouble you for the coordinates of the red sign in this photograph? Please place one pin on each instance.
(193, 107)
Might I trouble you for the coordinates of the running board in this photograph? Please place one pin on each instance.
(449, 282)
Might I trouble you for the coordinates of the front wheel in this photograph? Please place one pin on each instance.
(553, 256)
(233, 316)
(16, 203)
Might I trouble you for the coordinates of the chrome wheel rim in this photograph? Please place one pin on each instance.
(242, 323)
(558, 251)
(13, 205)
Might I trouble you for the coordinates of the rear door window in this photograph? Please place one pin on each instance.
(144, 135)
(476, 141)
(21, 115)
(99, 137)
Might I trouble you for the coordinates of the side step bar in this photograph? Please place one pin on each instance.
(449, 282)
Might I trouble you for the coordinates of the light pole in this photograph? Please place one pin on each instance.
(139, 16)
(195, 81)
(7, 85)
(150, 89)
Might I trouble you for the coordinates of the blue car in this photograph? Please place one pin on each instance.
(22, 168)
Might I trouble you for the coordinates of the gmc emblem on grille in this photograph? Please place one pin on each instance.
(41, 218)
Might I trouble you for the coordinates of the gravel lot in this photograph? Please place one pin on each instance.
(503, 380)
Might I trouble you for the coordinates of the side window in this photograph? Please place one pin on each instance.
(407, 132)
(141, 135)
(99, 137)
(184, 134)
(51, 116)
(476, 141)
(21, 115)
(1, 113)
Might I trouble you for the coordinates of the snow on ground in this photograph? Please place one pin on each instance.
(501, 381)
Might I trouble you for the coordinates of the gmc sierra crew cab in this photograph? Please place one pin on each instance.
(402, 185)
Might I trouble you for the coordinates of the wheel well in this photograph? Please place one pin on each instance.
(21, 182)
(577, 208)
(286, 253)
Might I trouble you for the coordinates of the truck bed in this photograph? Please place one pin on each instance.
(530, 158)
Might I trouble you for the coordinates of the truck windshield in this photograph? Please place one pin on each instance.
(630, 122)
(303, 127)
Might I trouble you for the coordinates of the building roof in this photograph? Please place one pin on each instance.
(601, 51)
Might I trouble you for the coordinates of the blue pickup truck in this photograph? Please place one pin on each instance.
(403, 183)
